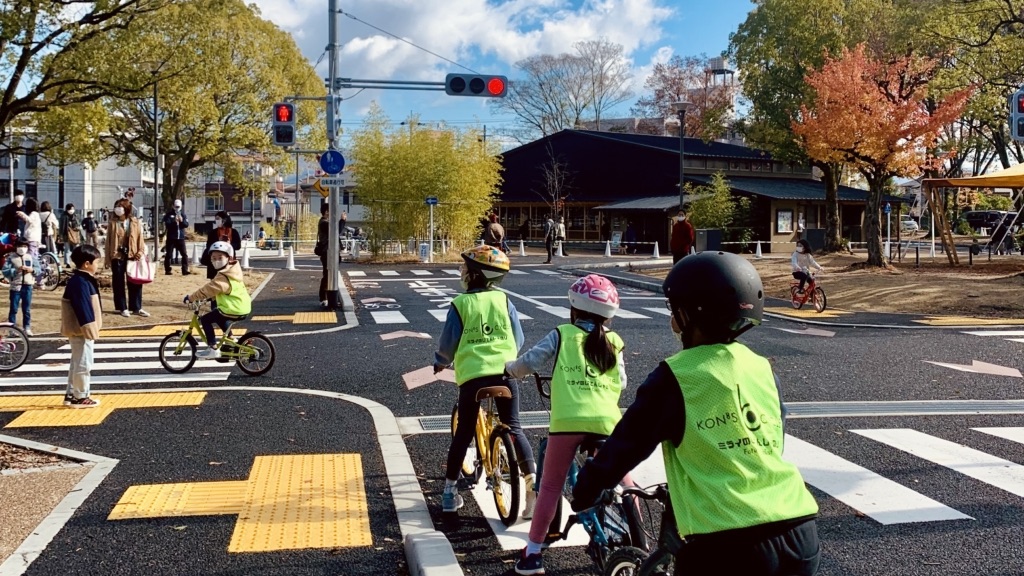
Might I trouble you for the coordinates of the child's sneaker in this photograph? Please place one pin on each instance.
(68, 399)
(84, 403)
(28, 332)
(451, 501)
(532, 564)
(531, 497)
(208, 353)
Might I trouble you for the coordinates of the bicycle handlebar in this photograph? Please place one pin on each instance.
(657, 492)
(540, 380)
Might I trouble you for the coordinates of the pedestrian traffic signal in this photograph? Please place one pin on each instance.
(1017, 115)
(283, 124)
(475, 85)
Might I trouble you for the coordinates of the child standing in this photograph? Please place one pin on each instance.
(228, 289)
(21, 270)
(587, 379)
(80, 321)
(482, 333)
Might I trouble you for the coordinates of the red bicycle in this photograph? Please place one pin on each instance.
(811, 292)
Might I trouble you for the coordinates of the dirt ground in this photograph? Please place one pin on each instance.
(985, 290)
(161, 298)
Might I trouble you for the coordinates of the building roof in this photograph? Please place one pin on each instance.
(799, 189)
(694, 146)
(664, 203)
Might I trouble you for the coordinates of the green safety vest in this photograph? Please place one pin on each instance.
(487, 339)
(237, 303)
(581, 399)
(728, 471)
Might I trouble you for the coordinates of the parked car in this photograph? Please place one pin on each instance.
(908, 224)
(978, 219)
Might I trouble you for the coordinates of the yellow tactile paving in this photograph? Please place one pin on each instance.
(969, 321)
(315, 318)
(162, 330)
(192, 499)
(278, 318)
(49, 411)
(806, 312)
(288, 503)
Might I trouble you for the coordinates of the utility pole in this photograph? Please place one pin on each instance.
(333, 252)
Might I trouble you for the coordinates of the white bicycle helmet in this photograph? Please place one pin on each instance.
(224, 247)
(595, 294)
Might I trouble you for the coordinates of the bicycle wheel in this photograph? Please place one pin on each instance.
(261, 359)
(504, 476)
(13, 347)
(178, 357)
(796, 298)
(635, 521)
(472, 468)
(818, 297)
(624, 561)
(49, 278)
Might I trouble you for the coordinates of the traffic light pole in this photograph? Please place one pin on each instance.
(333, 242)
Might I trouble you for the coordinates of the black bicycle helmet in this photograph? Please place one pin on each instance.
(719, 292)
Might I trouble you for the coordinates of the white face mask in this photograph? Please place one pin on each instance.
(71, 211)
(219, 263)
(218, 222)
(18, 199)
(800, 249)
(119, 211)
(680, 218)
(22, 251)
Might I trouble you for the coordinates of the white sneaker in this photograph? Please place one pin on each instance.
(323, 303)
(28, 332)
(531, 497)
(142, 313)
(208, 353)
(125, 313)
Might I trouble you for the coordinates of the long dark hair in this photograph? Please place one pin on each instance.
(597, 349)
(225, 218)
(31, 205)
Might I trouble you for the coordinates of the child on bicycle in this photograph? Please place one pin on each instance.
(587, 379)
(715, 408)
(20, 270)
(481, 333)
(227, 289)
(802, 262)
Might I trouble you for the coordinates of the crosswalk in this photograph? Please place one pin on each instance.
(365, 274)
(1008, 335)
(561, 312)
(114, 364)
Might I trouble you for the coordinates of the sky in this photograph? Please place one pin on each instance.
(490, 36)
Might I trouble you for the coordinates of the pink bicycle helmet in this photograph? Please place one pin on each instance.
(595, 294)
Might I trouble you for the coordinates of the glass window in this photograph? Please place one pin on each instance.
(739, 165)
(691, 162)
(214, 203)
(5, 161)
(246, 203)
(718, 164)
(31, 160)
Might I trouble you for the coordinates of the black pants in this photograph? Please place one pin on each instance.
(323, 278)
(508, 412)
(119, 271)
(169, 249)
(793, 552)
(215, 318)
(677, 257)
(803, 277)
(549, 245)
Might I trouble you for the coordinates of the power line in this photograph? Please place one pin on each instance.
(381, 30)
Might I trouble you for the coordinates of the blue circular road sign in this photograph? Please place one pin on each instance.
(332, 162)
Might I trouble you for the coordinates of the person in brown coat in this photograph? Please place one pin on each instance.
(124, 243)
(683, 237)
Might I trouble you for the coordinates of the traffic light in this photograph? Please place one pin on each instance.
(283, 124)
(475, 85)
(1017, 115)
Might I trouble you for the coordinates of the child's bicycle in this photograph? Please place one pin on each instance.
(13, 347)
(613, 524)
(811, 292)
(633, 561)
(49, 266)
(253, 352)
(496, 458)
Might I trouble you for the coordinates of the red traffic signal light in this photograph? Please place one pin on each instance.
(1020, 102)
(476, 85)
(284, 113)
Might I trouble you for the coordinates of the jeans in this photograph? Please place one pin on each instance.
(215, 318)
(119, 271)
(80, 367)
(22, 298)
(66, 253)
(508, 412)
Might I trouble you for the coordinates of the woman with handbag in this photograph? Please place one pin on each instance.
(69, 233)
(221, 232)
(124, 246)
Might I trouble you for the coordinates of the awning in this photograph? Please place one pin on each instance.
(1012, 177)
(662, 203)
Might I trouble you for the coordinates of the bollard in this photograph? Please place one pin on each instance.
(608, 249)
(559, 253)
(522, 247)
(656, 254)
(291, 259)
(931, 250)
(917, 256)
(245, 259)
(355, 249)
(195, 255)
(758, 253)
(280, 249)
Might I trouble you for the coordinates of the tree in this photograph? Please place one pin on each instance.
(59, 53)
(555, 181)
(715, 206)
(607, 75)
(396, 170)
(690, 79)
(220, 68)
(877, 117)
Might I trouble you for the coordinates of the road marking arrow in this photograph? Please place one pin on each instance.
(425, 376)
(981, 368)
(404, 334)
(808, 331)
(372, 300)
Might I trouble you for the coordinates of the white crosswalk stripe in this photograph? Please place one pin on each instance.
(452, 272)
(441, 314)
(518, 272)
(356, 274)
(388, 273)
(559, 311)
(623, 313)
(422, 273)
(389, 317)
(549, 272)
(663, 311)
(1008, 335)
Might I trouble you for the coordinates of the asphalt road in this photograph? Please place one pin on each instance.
(982, 488)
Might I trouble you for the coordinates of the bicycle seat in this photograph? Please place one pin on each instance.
(493, 392)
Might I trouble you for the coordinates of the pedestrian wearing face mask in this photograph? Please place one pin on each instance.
(683, 237)
(69, 233)
(802, 262)
(175, 224)
(221, 232)
(124, 243)
(9, 221)
(21, 270)
(228, 289)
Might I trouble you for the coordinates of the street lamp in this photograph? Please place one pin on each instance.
(156, 167)
(681, 108)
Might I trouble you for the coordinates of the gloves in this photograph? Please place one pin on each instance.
(186, 299)
(584, 494)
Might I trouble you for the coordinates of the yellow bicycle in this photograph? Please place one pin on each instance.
(495, 456)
